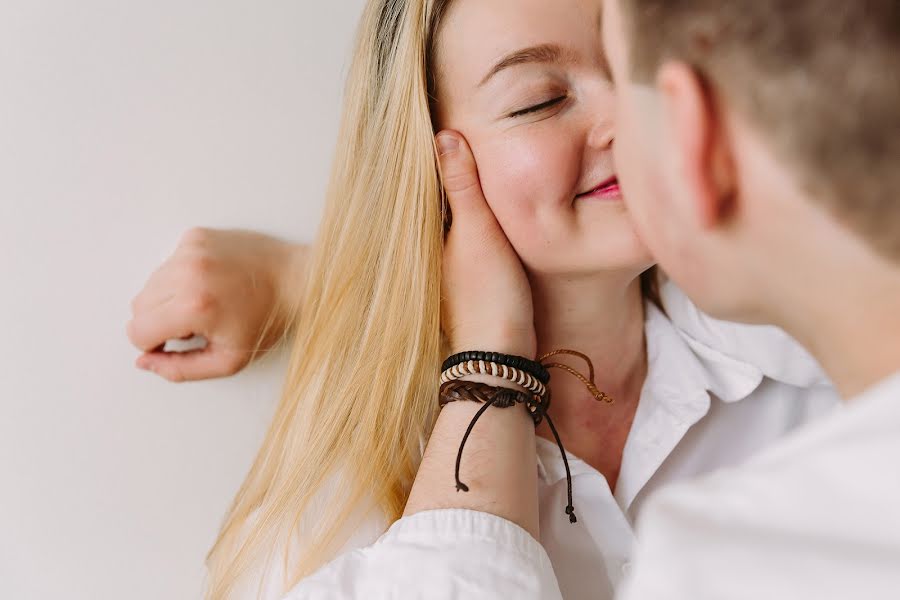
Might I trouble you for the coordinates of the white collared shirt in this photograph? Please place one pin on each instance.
(815, 516)
(700, 409)
(694, 417)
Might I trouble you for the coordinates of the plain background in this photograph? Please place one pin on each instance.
(123, 123)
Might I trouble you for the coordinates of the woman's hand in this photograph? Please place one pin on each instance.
(487, 298)
(224, 286)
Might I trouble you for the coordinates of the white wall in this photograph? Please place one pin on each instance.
(122, 123)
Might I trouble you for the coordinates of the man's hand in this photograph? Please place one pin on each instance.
(487, 306)
(232, 287)
(486, 295)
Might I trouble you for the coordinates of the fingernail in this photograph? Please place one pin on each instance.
(446, 144)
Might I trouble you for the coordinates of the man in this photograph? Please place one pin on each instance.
(757, 142)
(774, 170)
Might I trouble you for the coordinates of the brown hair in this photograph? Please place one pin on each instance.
(822, 83)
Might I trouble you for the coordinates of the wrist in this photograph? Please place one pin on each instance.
(513, 340)
(289, 277)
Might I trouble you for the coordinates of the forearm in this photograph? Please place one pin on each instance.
(499, 464)
(452, 545)
(481, 543)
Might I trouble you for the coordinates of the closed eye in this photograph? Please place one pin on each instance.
(538, 107)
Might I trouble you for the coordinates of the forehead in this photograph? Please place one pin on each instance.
(475, 34)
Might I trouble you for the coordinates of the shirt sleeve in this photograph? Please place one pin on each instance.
(450, 554)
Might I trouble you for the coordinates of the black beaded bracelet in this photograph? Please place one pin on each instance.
(532, 367)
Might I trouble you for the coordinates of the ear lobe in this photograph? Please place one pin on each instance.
(700, 159)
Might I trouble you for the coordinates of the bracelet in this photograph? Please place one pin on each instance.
(488, 395)
(527, 373)
(501, 397)
(483, 367)
(536, 369)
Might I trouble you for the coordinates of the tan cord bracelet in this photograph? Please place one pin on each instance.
(482, 367)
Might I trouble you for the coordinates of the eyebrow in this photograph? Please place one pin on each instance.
(543, 53)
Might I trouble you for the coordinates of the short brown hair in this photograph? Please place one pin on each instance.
(820, 79)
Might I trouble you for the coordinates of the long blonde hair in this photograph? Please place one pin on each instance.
(360, 391)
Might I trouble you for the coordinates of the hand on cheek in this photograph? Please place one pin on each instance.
(487, 298)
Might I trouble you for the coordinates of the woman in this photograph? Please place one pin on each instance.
(525, 82)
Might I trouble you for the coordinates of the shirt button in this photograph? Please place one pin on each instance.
(626, 568)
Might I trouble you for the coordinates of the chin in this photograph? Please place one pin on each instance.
(628, 259)
(621, 249)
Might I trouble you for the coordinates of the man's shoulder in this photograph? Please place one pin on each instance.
(852, 449)
(817, 511)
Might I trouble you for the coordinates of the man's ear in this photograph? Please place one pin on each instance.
(700, 156)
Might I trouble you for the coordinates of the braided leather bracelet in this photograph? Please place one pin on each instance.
(501, 397)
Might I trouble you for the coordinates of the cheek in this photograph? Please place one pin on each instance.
(632, 166)
(526, 178)
(639, 166)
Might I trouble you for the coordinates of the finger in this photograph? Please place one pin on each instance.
(184, 269)
(160, 288)
(150, 329)
(150, 299)
(459, 174)
(194, 366)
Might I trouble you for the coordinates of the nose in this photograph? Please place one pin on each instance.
(602, 133)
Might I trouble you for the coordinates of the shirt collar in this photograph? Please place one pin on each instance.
(675, 395)
(728, 348)
(681, 367)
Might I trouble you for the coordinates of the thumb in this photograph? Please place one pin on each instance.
(459, 175)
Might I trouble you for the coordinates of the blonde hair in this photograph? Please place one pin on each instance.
(360, 392)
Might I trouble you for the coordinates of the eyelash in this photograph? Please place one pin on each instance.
(538, 107)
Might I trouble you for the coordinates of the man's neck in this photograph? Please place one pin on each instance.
(849, 319)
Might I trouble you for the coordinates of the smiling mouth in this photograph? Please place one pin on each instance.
(608, 190)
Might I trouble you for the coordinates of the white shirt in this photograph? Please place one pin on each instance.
(700, 409)
(816, 516)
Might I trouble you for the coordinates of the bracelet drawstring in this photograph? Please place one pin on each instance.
(570, 508)
(538, 411)
(460, 486)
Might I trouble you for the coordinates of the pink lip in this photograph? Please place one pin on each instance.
(608, 190)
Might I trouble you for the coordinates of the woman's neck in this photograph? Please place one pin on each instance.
(602, 317)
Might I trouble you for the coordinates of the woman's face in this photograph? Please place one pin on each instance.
(527, 84)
